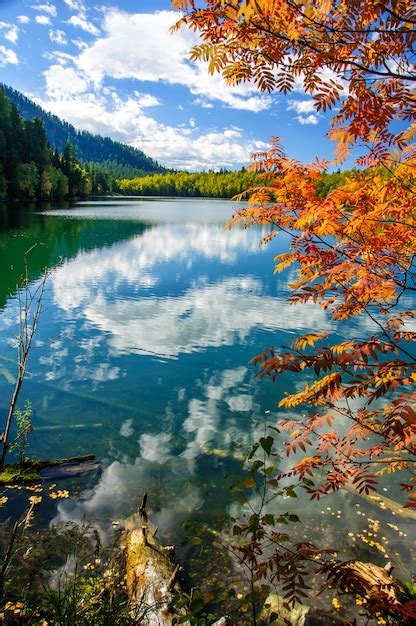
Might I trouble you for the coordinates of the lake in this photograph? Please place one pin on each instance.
(151, 316)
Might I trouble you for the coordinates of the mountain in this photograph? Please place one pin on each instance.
(88, 147)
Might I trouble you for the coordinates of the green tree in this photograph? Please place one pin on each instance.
(27, 180)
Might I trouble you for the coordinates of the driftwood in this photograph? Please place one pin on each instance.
(61, 427)
(151, 576)
(384, 503)
(71, 468)
(369, 580)
(32, 470)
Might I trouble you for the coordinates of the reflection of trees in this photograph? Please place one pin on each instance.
(54, 239)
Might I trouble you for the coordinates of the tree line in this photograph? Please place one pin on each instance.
(29, 168)
(106, 175)
(222, 184)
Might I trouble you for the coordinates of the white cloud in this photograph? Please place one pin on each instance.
(155, 448)
(306, 111)
(77, 95)
(75, 5)
(126, 429)
(23, 19)
(126, 121)
(308, 119)
(202, 424)
(302, 106)
(232, 378)
(210, 432)
(116, 493)
(133, 261)
(84, 24)
(145, 100)
(46, 8)
(160, 57)
(204, 104)
(43, 19)
(63, 81)
(99, 374)
(242, 402)
(208, 315)
(63, 58)
(80, 44)
(58, 37)
(7, 56)
(12, 34)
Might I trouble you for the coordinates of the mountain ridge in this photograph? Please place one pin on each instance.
(88, 146)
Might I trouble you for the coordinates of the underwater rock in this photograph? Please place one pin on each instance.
(276, 614)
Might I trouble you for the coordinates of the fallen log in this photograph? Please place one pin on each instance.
(71, 469)
(384, 503)
(32, 470)
(366, 579)
(61, 427)
(152, 579)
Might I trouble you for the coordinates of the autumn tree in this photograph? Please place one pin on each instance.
(353, 248)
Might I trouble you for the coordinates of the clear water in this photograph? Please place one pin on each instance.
(151, 316)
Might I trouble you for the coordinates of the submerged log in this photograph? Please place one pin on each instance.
(33, 470)
(222, 453)
(71, 469)
(151, 576)
(383, 502)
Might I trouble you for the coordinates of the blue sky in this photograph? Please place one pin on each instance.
(114, 69)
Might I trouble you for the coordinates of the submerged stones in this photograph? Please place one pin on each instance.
(276, 614)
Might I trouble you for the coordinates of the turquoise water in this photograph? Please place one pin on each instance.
(151, 315)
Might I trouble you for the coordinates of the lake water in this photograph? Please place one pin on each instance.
(151, 316)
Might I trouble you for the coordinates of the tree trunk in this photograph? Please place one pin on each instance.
(152, 577)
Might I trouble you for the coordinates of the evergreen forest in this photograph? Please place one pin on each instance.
(29, 168)
(89, 147)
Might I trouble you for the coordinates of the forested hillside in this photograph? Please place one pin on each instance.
(29, 169)
(198, 184)
(88, 147)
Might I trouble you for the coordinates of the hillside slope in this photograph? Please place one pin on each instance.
(88, 147)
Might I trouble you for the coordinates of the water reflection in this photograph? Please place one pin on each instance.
(180, 463)
(146, 296)
(152, 314)
(173, 496)
(139, 261)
